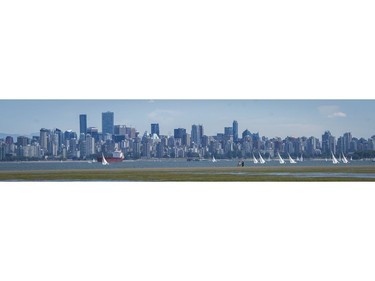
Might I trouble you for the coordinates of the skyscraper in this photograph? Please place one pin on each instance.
(195, 134)
(107, 123)
(179, 133)
(82, 124)
(328, 143)
(235, 131)
(44, 139)
(155, 129)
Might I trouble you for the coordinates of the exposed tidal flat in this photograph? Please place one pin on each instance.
(264, 173)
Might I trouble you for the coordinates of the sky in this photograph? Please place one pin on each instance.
(270, 118)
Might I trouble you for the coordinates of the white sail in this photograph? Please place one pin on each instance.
(261, 160)
(104, 161)
(255, 160)
(281, 160)
(269, 158)
(213, 159)
(301, 159)
(334, 160)
(291, 160)
(344, 160)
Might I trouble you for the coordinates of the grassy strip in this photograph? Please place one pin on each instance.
(189, 174)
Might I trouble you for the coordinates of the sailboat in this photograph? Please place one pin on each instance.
(281, 160)
(344, 160)
(269, 158)
(213, 159)
(301, 159)
(334, 160)
(261, 160)
(104, 161)
(291, 160)
(255, 160)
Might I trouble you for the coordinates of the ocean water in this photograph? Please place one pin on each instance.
(164, 163)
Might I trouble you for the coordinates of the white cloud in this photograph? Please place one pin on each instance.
(337, 114)
(331, 111)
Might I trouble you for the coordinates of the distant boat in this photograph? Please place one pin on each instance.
(269, 158)
(301, 159)
(261, 160)
(344, 160)
(255, 160)
(213, 159)
(117, 156)
(104, 161)
(334, 160)
(281, 160)
(291, 160)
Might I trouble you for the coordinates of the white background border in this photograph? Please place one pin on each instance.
(184, 231)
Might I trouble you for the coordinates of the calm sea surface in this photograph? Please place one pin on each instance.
(175, 163)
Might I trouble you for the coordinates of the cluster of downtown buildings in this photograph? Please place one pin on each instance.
(90, 143)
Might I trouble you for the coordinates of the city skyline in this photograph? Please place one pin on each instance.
(272, 118)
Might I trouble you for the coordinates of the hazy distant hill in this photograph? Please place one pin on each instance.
(4, 135)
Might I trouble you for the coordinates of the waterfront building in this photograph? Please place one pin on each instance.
(107, 123)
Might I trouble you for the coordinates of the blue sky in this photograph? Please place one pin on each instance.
(268, 117)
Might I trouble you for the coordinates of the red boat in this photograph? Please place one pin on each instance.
(117, 156)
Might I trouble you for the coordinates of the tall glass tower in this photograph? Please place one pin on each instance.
(107, 122)
(82, 124)
(235, 131)
(155, 129)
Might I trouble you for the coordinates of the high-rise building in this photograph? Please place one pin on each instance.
(23, 141)
(347, 139)
(120, 130)
(9, 140)
(235, 131)
(195, 134)
(82, 124)
(155, 129)
(246, 133)
(107, 123)
(328, 143)
(94, 132)
(179, 133)
(228, 131)
(44, 139)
